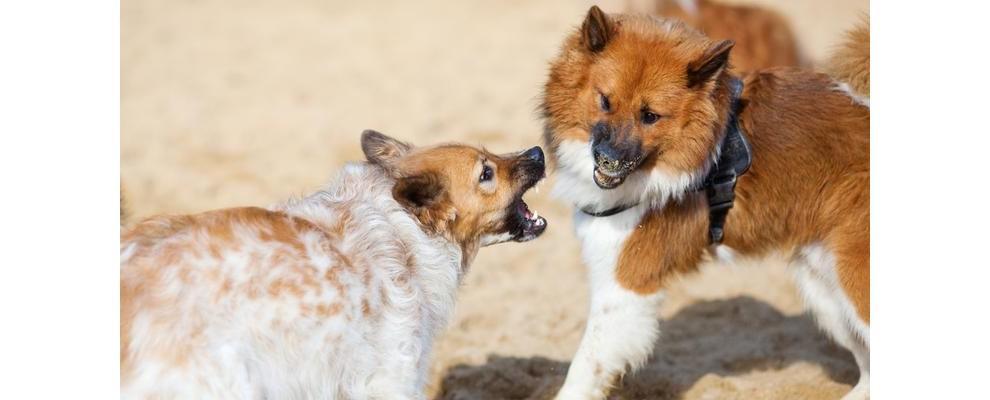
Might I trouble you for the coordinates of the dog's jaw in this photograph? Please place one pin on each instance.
(575, 182)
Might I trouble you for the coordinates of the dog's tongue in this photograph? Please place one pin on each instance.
(524, 210)
(529, 214)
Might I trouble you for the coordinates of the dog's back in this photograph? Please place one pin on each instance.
(314, 299)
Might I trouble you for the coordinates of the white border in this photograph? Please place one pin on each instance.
(929, 142)
(59, 165)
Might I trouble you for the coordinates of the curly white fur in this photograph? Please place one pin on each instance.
(223, 335)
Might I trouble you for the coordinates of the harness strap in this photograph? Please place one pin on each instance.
(734, 160)
(608, 213)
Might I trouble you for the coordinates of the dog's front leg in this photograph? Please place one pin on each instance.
(622, 324)
(622, 328)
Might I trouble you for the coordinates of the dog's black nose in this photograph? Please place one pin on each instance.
(534, 154)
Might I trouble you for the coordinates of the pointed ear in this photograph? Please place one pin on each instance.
(418, 192)
(383, 150)
(596, 30)
(706, 67)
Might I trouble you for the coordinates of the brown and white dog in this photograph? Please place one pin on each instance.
(336, 295)
(635, 109)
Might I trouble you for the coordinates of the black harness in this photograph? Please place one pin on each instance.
(734, 159)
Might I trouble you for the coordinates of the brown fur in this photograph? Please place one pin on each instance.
(674, 236)
(764, 38)
(809, 181)
(851, 61)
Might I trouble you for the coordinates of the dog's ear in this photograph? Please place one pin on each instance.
(419, 191)
(425, 196)
(596, 30)
(711, 62)
(382, 150)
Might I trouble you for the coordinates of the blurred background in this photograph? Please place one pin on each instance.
(248, 102)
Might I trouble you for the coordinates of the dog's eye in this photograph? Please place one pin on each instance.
(606, 105)
(486, 173)
(648, 117)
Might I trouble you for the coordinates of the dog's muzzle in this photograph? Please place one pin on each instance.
(616, 155)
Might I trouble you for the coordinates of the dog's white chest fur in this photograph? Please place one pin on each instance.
(602, 239)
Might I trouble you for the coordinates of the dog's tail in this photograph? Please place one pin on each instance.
(850, 63)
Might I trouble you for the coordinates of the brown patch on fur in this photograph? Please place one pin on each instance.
(277, 287)
(328, 310)
(667, 242)
(851, 61)
(365, 307)
(272, 226)
(151, 231)
(332, 277)
(764, 38)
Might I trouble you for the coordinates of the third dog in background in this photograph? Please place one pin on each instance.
(763, 37)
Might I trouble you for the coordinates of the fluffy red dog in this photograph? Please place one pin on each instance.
(638, 111)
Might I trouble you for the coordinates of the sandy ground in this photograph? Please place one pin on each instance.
(247, 102)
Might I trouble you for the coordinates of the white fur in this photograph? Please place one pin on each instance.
(622, 325)
(724, 254)
(490, 239)
(264, 346)
(856, 97)
(814, 272)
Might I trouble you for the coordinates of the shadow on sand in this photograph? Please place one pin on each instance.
(724, 337)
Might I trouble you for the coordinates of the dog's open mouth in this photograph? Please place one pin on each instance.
(531, 224)
(606, 181)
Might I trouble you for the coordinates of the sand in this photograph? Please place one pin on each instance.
(247, 102)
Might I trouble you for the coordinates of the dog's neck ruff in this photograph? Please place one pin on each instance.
(734, 159)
